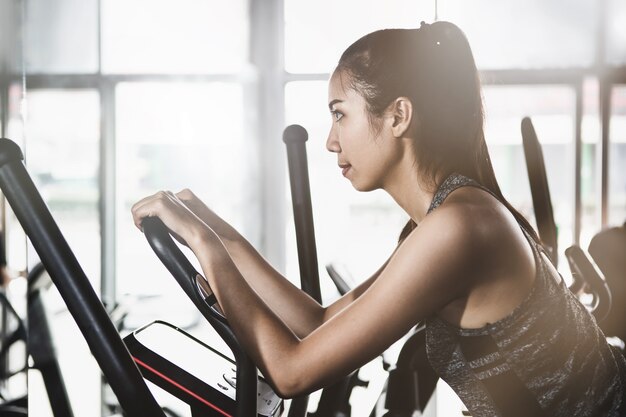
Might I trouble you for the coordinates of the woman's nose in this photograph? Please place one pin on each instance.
(332, 144)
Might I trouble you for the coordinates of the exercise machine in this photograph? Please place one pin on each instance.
(108, 349)
(585, 276)
(207, 380)
(608, 250)
(83, 304)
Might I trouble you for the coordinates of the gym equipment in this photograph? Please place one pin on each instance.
(205, 398)
(540, 191)
(608, 250)
(581, 266)
(40, 343)
(108, 349)
(194, 372)
(295, 137)
(15, 406)
(244, 401)
(40, 347)
(583, 274)
(83, 304)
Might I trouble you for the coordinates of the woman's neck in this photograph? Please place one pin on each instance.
(412, 192)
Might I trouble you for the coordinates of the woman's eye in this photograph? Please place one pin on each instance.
(337, 115)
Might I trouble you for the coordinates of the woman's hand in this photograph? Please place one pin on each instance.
(208, 216)
(182, 222)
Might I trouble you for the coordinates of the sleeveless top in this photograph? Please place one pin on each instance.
(546, 358)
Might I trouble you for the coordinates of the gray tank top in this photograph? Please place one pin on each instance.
(546, 358)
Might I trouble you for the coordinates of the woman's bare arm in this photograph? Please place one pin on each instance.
(301, 313)
(353, 294)
(406, 291)
(420, 279)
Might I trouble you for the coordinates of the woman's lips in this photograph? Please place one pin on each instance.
(344, 169)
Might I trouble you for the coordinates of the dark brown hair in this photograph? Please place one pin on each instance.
(434, 68)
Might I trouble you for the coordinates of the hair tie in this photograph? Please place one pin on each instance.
(426, 29)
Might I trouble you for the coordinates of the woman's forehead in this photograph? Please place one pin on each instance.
(339, 88)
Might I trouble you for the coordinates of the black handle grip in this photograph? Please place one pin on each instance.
(177, 264)
(581, 265)
(166, 249)
(537, 177)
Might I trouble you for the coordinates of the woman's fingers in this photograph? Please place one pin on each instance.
(189, 199)
(175, 214)
(150, 206)
(186, 195)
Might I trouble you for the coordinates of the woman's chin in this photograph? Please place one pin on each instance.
(363, 187)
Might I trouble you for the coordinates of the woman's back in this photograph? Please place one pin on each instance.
(546, 357)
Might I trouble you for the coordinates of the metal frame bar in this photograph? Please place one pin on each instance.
(603, 154)
(578, 145)
(267, 54)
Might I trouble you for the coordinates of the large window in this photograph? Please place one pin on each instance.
(168, 36)
(308, 25)
(531, 34)
(172, 136)
(616, 33)
(61, 151)
(61, 37)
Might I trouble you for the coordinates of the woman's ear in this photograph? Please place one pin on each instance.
(402, 114)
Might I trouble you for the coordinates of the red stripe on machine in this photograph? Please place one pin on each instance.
(171, 381)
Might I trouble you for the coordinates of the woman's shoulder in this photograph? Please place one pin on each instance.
(478, 227)
(493, 256)
(474, 213)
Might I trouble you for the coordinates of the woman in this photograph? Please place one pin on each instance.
(502, 328)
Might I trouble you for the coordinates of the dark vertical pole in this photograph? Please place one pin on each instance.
(295, 138)
(539, 188)
(578, 146)
(605, 119)
(41, 348)
(605, 109)
(4, 122)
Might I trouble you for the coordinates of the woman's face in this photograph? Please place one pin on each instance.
(364, 155)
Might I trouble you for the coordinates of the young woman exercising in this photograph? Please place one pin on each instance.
(502, 328)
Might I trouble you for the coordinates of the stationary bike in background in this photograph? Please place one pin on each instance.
(608, 249)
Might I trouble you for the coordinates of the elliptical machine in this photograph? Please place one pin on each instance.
(107, 347)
